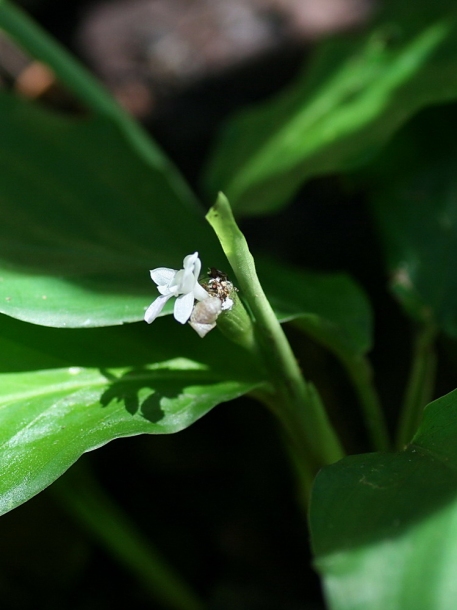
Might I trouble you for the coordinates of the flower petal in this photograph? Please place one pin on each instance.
(162, 275)
(165, 290)
(183, 307)
(189, 261)
(200, 293)
(155, 308)
(197, 267)
(187, 282)
(227, 304)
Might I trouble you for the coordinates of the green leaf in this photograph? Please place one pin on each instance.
(356, 94)
(335, 312)
(40, 45)
(384, 525)
(83, 217)
(330, 307)
(29, 347)
(413, 188)
(49, 418)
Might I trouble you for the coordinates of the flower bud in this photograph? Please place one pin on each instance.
(204, 315)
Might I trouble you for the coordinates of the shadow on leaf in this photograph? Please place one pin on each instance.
(148, 392)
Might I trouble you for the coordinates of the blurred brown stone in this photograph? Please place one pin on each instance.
(35, 80)
(311, 19)
(32, 79)
(169, 45)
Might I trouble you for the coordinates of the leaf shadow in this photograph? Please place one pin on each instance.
(132, 387)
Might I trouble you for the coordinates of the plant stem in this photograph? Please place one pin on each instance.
(82, 497)
(360, 372)
(295, 402)
(419, 389)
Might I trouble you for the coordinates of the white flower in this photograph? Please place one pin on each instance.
(182, 284)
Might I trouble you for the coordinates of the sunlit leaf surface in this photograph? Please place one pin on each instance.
(384, 526)
(50, 416)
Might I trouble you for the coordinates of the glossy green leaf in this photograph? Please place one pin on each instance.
(48, 418)
(29, 347)
(384, 526)
(342, 109)
(413, 188)
(330, 307)
(83, 218)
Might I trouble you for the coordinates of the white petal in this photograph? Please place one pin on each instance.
(200, 293)
(227, 304)
(175, 284)
(162, 275)
(197, 268)
(189, 261)
(165, 290)
(187, 282)
(155, 308)
(183, 307)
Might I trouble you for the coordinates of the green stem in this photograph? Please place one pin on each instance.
(419, 390)
(360, 372)
(295, 402)
(95, 511)
(33, 39)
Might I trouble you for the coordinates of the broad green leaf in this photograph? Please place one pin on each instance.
(384, 526)
(83, 218)
(337, 114)
(29, 347)
(49, 418)
(413, 189)
(331, 308)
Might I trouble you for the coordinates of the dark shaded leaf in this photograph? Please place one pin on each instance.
(329, 307)
(413, 188)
